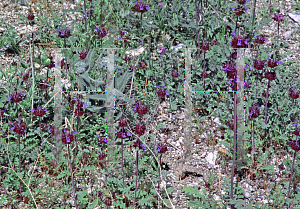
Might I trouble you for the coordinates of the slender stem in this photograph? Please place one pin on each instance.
(159, 179)
(291, 174)
(137, 171)
(66, 55)
(72, 178)
(20, 165)
(85, 23)
(32, 44)
(123, 165)
(234, 147)
(41, 134)
(253, 142)
(142, 29)
(266, 107)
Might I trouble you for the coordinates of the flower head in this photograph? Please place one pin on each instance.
(1, 113)
(83, 54)
(102, 156)
(238, 42)
(272, 63)
(254, 111)
(204, 75)
(231, 124)
(260, 39)
(67, 138)
(140, 7)
(143, 65)
(65, 33)
(259, 64)
(39, 111)
(139, 144)
(102, 140)
(19, 127)
(123, 123)
(14, 63)
(123, 133)
(294, 94)
(163, 52)
(295, 145)
(162, 92)
(16, 97)
(270, 75)
(140, 108)
(161, 148)
(30, 16)
(204, 46)
(174, 74)
(140, 129)
(101, 32)
(239, 10)
(278, 17)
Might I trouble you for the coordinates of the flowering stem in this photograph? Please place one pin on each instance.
(32, 44)
(72, 178)
(20, 165)
(234, 147)
(159, 180)
(291, 173)
(41, 134)
(252, 137)
(85, 24)
(123, 165)
(137, 171)
(266, 108)
(66, 55)
(142, 29)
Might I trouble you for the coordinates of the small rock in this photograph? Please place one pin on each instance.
(211, 158)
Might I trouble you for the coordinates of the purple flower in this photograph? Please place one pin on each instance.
(140, 7)
(39, 111)
(65, 33)
(161, 148)
(18, 127)
(162, 92)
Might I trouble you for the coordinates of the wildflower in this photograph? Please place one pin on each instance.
(18, 127)
(101, 32)
(163, 52)
(247, 85)
(214, 42)
(204, 75)
(44, 126)
(25, 77)
(54, 131)
(239, 10)
(122, 33)
(273, 63)
(293, 94)
(67, 138)
(30, 16)
(204, 46)
(108, 202)
(131, 69)
(270, 75)
(39, 111)
(259, 64)
(140, 129)
(127, 59)
(83, 54)
(123, 123)
(230, 69)
(254, 111)
(297, 131)
(139, 144)
(238, 42)
(174, 74)
(140, 7)
(260, 39)
(233, 55)
(51, 65)
(230, 125)
(295, 145)
(123, 133)
(242, 2)
(278, 17)
(102, 140)
(264, 94)
(102, 156)
(140, 108)
(65, 33)
(161, 148)
(162, 92)
(16, 97)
